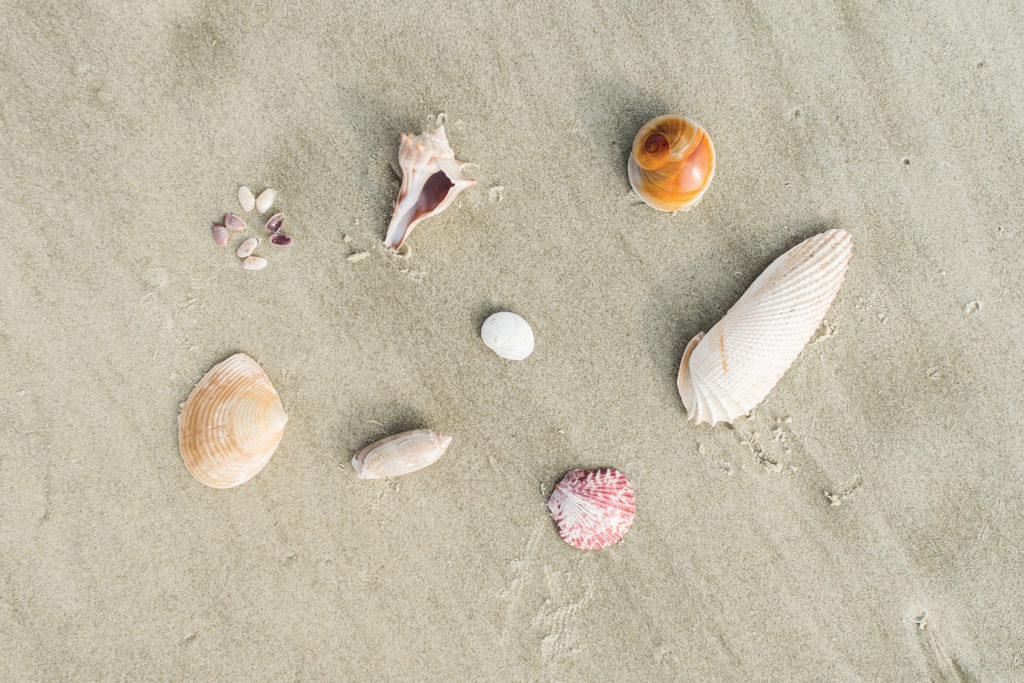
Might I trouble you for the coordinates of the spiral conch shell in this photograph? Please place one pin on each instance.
(431, 180)
(231, 423)
(400, 454)
(729, 370)
(672, 163)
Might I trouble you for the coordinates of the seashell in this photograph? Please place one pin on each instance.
(230, 424)
(247, 247)
(400, 454)
(593, 508)
(233, 223)
(280, 239)
(431, 179)
(672, 163)
(265, 200)
(245, 198)
(729, 370)
(254, 263)
(274, 222)
(508, 335)
(220, 235)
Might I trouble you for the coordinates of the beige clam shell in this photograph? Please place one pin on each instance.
(400, 454)
(231, 423)
(729, 370)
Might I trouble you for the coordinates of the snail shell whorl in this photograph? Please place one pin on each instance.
(672, 163)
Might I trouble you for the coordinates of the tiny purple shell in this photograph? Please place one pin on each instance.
(280, 239)
(274, 222)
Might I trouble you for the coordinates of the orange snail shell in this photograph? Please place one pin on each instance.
(672, 163)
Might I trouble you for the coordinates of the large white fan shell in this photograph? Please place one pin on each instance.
(729, 370)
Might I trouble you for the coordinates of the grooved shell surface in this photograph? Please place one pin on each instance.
(593, 508)
(231, 423)
(729, 370)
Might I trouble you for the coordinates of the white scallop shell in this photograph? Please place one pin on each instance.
(731, 369)
(508, 335)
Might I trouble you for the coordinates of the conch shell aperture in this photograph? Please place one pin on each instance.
(729, 370)
(672, 163)
(431, 180)
(231, 423)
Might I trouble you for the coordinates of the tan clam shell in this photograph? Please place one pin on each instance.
(431, 180)
(400, 454)
(231, 423)
(729, 370)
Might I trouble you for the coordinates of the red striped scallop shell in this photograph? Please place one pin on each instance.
(593, 508)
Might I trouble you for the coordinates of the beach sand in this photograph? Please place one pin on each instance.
(880, 481)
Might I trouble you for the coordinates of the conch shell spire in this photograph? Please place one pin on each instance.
(431, 180)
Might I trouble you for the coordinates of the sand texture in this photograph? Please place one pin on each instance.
(881, 480)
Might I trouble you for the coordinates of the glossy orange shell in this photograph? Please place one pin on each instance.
(672, 163)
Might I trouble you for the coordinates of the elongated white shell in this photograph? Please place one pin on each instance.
(508, 335)
(731, 369)
(400, 454)
(431, 180)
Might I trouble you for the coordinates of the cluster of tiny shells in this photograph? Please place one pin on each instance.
(233, 223)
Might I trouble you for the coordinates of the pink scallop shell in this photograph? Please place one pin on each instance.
(593, 508)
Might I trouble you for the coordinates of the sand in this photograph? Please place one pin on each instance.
(881, 480)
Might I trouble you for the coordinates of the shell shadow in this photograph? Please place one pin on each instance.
(613, 113)
(372, 422)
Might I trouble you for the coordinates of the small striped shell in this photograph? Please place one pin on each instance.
(400, 454)
(672, 163)
(231, 423)
(729, 370)
(593, 508)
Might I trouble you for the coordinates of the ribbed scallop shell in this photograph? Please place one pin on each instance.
(593, 508)
(672, 163)
(731, 369)
(400, 454)
(431, 180)
(508, 335)
(231, 423)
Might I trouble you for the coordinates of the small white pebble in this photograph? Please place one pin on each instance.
(358, 256)
(246, 199)
(254, 263)
(247, 247)
(265, 200)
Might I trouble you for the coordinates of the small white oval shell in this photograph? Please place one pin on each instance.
(254, 263)
(265, 200)
(508, 335)
(245, 198)
(247, 247)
